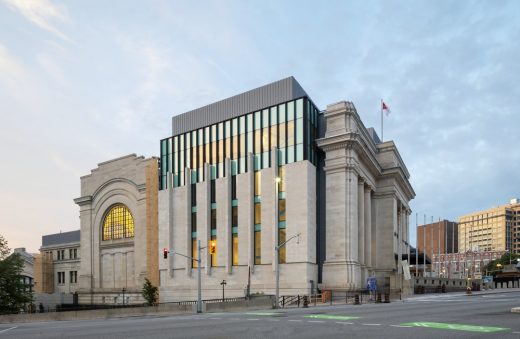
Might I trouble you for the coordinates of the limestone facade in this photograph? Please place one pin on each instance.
(367, 211)
(57, 266)
(113, 270)
(298, 273)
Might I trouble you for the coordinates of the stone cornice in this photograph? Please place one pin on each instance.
(85, 200)
(340, 141)
(398, 174)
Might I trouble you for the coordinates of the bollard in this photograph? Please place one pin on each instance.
(305, 301)
(387, 298)
(378, 300)
(356, 300)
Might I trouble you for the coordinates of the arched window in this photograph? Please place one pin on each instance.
(118, 223)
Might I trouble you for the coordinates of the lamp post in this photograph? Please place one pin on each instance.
(223, 283)
(277, 253)
(199, 279)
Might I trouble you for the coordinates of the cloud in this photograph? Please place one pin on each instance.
(40, 13)
(13, 74)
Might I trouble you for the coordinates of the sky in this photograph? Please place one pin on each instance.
(82, 82)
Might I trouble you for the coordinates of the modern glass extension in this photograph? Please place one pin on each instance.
(291, 127)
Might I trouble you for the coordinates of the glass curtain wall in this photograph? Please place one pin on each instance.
(291, 127)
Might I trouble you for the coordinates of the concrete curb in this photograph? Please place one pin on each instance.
(515, 310)
(160, 310)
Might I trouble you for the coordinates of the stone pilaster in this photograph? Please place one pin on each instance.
(361, 226)
(341, 269)
(368, 228)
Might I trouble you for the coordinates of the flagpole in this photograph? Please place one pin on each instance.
(382, 120)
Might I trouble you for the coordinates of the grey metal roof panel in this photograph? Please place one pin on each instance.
(61, 238)
(269, 95)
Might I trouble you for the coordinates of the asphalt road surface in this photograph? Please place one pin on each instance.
(428, 316)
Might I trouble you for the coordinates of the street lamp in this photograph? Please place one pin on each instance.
(277, 249)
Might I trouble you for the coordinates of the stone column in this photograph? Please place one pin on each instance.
(361, 225)
(368, 227)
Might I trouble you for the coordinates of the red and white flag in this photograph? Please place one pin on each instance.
(385, 108)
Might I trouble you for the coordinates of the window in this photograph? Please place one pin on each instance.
(281, 240)
(258, 213)
(235, 250)
(193, 195)
(258, 183)
(234, 216)
(73, 277)
(194, 263)
(61, 278)
(73, 253)
(118, 223)
(214, 256)
(233, 187)
(213, 192)
(61, 254)
(258, 247)
(281, 210)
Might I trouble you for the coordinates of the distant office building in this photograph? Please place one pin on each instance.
(495, 229)
(437, 237)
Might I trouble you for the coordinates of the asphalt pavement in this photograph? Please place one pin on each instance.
(486, 315)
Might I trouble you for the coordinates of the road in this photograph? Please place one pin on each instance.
(428, 316)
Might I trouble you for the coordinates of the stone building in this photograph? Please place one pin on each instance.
(255, 170)
(269, 180)
(118, 216)
(57, 265)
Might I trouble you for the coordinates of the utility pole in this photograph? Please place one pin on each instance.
(199, 264)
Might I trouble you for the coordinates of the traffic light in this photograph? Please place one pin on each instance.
(165, 253)
(212, 247)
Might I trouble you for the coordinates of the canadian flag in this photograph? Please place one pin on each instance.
(385, 108)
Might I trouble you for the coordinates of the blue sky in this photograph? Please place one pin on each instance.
(84, 82)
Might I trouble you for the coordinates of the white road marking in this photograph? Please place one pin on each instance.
(400, 326)
(371, 324)
(516, 332)
(344, 322)
(252, 319)
(296, 320)
(315, 321)
(8, 329)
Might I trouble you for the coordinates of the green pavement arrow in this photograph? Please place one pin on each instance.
(457, 327)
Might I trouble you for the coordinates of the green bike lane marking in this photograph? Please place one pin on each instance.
(264, 313)
(330, 317)
(457, 327)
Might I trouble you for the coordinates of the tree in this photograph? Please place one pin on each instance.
(13, 293)
(505, 259)
(150, 292)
